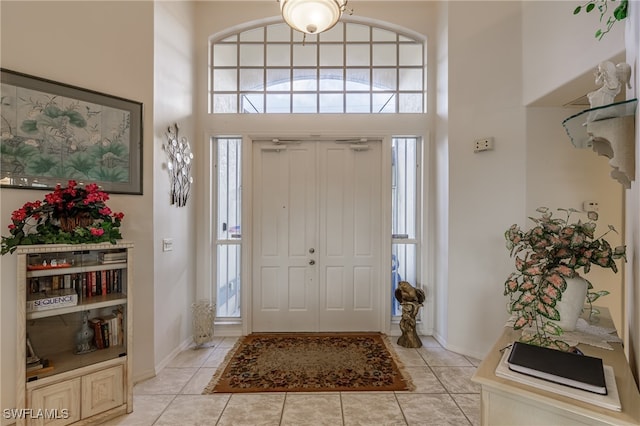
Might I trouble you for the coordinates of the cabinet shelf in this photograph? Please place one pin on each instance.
(93, 302)
(75, 269)
(67, 361)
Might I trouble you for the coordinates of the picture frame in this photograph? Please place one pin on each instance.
(32, 358)
(53, 132)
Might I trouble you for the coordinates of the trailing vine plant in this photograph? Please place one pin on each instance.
(618, 14)
(546, 255)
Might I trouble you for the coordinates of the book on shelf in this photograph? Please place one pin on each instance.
(103, 282)
(609, 401)
(94, 283)
(108, 329)
(52, 300)
(92, 280)
(45, 367)
(34, 366)
(119, 324)
(117, 257)
(108, 262)
(565, 368)
(98, 339)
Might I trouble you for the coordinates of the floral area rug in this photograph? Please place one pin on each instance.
(313, 362)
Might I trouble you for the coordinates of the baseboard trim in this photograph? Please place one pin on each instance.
(166, 360)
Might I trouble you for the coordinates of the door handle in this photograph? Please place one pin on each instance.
(312, 262)
(312, 250)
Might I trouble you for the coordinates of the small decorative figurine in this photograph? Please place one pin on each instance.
(411, 300)
(612, 78)
(84, 336)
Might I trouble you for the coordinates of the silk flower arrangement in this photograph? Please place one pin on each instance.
(546, 256)
(68, 215)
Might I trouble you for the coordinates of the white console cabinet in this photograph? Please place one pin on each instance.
(510, 403)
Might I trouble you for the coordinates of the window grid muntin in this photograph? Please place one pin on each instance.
(317, 41)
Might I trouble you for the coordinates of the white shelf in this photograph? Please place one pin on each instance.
(93, 302)
(68, 361)
(610, 131)
(75, 269)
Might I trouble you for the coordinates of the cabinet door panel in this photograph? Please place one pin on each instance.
(102, 391)
(57, 404)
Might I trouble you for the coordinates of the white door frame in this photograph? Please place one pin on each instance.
(382, 128)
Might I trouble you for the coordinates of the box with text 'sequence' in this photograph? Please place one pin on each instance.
(52, 300)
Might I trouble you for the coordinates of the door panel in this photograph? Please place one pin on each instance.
(350, 231)
(317, 237)
(284, 217)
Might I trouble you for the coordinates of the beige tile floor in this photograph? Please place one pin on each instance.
(444, 395)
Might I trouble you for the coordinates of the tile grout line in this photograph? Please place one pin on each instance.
(163, 410)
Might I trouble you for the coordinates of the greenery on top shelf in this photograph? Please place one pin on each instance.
(618, 14)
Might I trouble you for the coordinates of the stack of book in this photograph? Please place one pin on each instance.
(40, 367)
(113, 257)
(108, 330)
(566, 368)
(577, 376)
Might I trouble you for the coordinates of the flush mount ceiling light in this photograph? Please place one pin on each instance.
(312, 16)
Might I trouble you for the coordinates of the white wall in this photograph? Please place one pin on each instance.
(107, 47)
(486, 190)
(560, 48)
(559, 57)
(440, 174)
(561, 176)
(632, 299)
(215, 18)
(174, 91)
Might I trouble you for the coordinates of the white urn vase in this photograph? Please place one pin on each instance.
(572, 302)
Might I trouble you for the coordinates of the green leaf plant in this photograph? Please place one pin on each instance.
(553, 250)
(619, 13)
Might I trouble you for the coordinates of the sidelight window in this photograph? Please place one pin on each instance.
(405, 192)
(228, 225)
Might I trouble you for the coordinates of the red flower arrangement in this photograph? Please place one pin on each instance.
(69, 215)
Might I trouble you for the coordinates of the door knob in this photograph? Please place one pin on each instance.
(312, 250)
(312, 262)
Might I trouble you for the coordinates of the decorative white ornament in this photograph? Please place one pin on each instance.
(612, 78)
(178, 165)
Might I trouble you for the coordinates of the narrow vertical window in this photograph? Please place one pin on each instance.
(228, 231)
(405, 213)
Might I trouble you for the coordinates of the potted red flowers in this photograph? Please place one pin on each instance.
(68, 215)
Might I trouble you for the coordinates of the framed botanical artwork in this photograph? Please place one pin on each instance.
(52, 132)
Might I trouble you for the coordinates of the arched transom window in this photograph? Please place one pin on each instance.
(352, 68)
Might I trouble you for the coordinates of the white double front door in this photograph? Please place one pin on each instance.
(316, 237)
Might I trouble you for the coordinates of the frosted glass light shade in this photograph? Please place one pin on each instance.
(311, 16)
